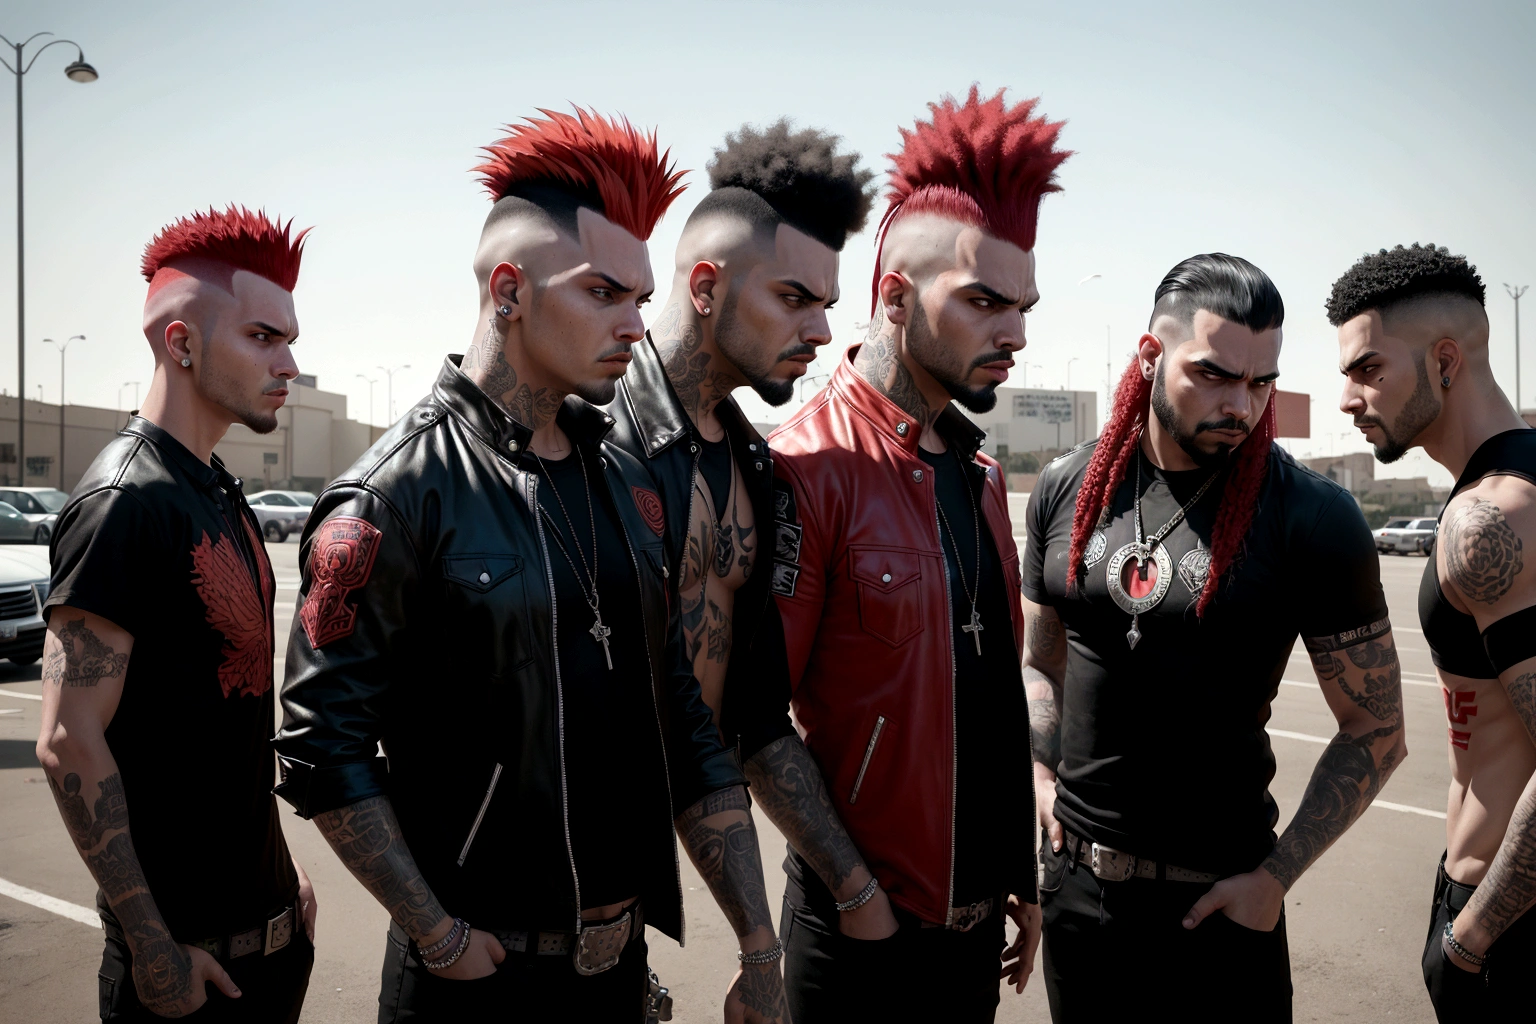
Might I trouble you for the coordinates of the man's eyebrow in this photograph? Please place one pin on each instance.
(991, 293)
(805, 292)
(268, 328)
(1210, 367)
(1360, 360)
(617, 286)
(1267, 378)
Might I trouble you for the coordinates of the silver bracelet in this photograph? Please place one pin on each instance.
(865, 895)
(766, 956)
(1462, 951)
(444, 942)
(443, 965)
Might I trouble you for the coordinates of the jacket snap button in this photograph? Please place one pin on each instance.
(693, 448)
(917, 475)
(485, 577)
(901, 428)
(885, 577)
(757, 465)
(512, 445)
(752, 447)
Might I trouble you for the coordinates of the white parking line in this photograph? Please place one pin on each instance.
(1406, 682)
(52, 904)
(21, 696)
(1385, 804)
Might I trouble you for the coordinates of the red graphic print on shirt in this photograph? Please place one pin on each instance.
(236, 609)
(341, 559)
(650, 508)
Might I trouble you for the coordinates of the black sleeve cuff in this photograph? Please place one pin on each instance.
(716, 772)
(313, 790)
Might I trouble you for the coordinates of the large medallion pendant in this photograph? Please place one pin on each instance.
(1138, 578)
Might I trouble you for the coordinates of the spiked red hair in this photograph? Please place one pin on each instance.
(982, 163)
(590, 153)
(1112, 457)
(237, 237)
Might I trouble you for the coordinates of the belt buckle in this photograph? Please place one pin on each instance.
(599, 948)
(1112, 865)
(963, 919)
(245, 943)
(279, 932)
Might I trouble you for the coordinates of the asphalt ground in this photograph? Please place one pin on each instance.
(1357, 920)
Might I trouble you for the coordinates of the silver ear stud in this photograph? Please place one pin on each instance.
(504, 310)
(704, 311)
(1445, 382)
(186, 362)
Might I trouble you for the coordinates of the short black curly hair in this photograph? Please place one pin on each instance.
(800, 177)
(1383, 279)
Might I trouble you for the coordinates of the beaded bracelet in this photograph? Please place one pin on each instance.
(1462, 951)
(443, 965)
(764, 956)
(443, 943)
(865, 895)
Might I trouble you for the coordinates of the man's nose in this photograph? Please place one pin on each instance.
(1239, 403)
(1351, 401)
(285, 368)
(632, 328)
(818, 329)
(1011, 337)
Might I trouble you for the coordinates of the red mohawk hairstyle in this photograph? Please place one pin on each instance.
(237, 238)
(611, 161)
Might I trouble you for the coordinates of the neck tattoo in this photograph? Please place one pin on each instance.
(486, 364)
(700, 385)
(586, 577)
(880, 365)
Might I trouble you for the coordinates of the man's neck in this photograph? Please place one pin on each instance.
(701, 376)
(1469, 418)
(1162, 450)
(883, 362)
(191, 419)
(515, 388)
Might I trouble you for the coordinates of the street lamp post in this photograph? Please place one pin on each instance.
(390, 373)
(371, 382)
(77, 71)
(65, 345)
(1515, 294)
(1069, 371)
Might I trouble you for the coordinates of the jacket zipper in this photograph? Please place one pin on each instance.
(954, 722)
(869, 752)
(554, 648)
(489, 792)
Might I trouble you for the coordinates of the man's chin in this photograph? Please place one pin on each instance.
(1389, 451)
(260, 422)
(982, 399)
(774, 391)
(598, 392)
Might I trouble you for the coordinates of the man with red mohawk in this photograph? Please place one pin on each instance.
(484, 595)
(157, 664)
(897, 578)
(1170, 567)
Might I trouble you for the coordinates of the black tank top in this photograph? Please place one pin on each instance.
(1453, 638)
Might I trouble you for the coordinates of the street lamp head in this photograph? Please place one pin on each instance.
(81, 72)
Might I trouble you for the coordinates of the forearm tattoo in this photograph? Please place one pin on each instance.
(76, 656)
(879, 364)
(486, 364)
(1482, 552)
(366, 836)
(722, 843)
(1508, 890)
(789, 788)
(1044, 726)
(1046, 641)
(761, 990)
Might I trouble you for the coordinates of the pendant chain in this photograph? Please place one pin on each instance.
(1178, 517)
(599, 631)
(975, 627)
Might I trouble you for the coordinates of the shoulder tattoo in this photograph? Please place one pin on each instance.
(1482, 552)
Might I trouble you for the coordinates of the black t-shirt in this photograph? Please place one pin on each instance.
(164, 546)
(603, 709)
(1164, 752)
(716, 467)
(989, 692)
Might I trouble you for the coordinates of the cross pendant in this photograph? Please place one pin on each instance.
(601, 633)
(974, 628)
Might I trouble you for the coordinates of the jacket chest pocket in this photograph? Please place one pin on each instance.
(889, 582)
(485, 592)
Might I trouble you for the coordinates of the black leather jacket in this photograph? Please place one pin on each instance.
(651, 424)
(435, 636)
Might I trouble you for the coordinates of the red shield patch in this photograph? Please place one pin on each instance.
(650, 508)
(340, 562)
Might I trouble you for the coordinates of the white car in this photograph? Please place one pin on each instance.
(281, 512)
(1400, 536)
(40, 506)
(23, 589)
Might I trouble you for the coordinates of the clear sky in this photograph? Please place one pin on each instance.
(1296, 135)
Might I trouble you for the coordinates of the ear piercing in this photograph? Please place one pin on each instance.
(1445, 382)
(504, 309)
(704, 311)
(186, 362)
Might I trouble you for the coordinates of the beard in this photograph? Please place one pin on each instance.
(943, 366)
(228, 394)
(735, 343)
(1168, 416)
(1420, 411)
(597, 392)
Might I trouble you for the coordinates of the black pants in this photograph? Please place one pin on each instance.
(1505, 989)
(918, 974)
(526, 986)
(1119, 950)
(271, 987)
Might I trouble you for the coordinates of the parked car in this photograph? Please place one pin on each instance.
(40, 506)
(1401, 536)
(281, 512)
(23, 589)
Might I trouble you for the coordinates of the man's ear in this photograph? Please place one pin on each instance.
(508, 283)
(1446, 359)
(896, 296)
(177, 341)
(1148, 349)
(703, 282)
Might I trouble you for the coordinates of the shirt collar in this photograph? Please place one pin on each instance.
(955, 427)
(204, 475)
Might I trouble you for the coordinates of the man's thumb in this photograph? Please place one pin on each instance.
(1203, 908)
(221, 979)
(493, 945)
(1056, 834)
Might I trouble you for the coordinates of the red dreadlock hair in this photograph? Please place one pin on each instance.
(618, 165)
(982, 163)
(237, 238)
(1119, 443)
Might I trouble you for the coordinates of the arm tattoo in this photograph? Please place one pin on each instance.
(789, 788)
(1482, 553)
(761, 990)
(722, 843)
(1348, 776)
(878, 363)
(366, 836)
(162, 970)
(1372, 678)
(1508, 890)
(1045, 730)
(1047, 646)
(486, 364)
(81, 658)
(1045, 636)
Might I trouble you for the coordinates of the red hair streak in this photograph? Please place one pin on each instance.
(1112, 457)
(237, 238)
(590, 153)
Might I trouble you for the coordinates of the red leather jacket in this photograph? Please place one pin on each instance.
(860, 578)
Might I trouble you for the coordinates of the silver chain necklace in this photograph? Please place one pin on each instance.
(975, 626)
(600, 633)
(1143, 552)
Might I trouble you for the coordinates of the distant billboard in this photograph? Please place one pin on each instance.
(1046, 406)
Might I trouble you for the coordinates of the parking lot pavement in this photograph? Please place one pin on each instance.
(1356, 920)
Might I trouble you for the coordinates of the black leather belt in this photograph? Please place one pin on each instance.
(1111, 865)
(266, 939)
(593, 950)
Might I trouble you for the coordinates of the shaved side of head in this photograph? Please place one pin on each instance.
(1425, 319)
(922, 246)
(193, 291)
(524, 233)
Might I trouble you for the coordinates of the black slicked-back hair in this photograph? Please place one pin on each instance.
(778, 174)
(1228, 286)
(1383, 279)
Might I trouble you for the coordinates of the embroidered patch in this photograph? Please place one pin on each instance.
(786, 543)
(1194, 567)
(234, 607)
(784, 503)
(784, 579)
(1097, 545)
(341, 561)
(650, 508)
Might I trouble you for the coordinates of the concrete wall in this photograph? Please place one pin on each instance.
(1037, 420)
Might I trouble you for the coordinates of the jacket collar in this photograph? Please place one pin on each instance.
(201, 473)
(660, 416)
(463, 398)
(895, 422)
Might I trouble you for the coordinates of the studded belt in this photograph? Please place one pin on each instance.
(265, 939)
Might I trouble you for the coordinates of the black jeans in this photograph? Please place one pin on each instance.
(918, 974)
(526, 986)
(1505, 989)
(271, 987)
(1119, 950)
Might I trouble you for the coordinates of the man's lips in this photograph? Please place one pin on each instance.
(997, 369)
(621, 358)
(281, 394)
